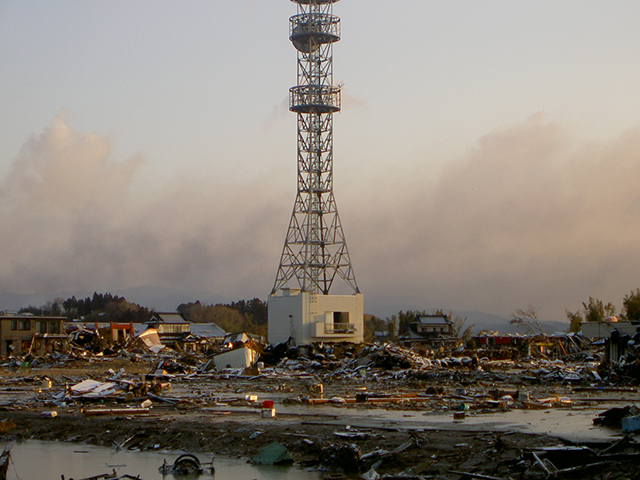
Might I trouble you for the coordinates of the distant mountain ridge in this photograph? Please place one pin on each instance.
(163, 299)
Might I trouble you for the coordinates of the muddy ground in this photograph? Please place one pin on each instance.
(209, 414)
(431, 452)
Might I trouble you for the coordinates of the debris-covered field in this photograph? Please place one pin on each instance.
(360, 411)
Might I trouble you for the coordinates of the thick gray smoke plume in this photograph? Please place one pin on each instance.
(73, 220)
(526, 217)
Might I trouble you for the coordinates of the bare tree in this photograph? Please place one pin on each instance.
(528, 319)
(463, 331)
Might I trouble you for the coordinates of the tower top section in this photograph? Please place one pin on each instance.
(314, 26)
(312, 32)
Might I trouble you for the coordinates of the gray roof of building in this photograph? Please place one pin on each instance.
(440, 320)
(172, 317)
(207, 330)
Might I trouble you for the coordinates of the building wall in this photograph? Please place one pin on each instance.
(238, 358)
(285, 316)
(604, 329)
(312, 318)
(351, 305)
(19, 330)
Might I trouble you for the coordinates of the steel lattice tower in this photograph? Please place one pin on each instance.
(315, 249)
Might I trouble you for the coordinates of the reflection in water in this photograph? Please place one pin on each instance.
(34, 460)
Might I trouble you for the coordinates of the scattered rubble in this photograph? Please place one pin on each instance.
(109, 476)
(235, 387)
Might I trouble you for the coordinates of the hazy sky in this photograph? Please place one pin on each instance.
(487, 155)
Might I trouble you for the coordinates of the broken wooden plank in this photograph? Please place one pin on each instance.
(469, 475)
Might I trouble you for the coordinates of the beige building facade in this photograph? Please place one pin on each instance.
(22, 334)
(311, 318)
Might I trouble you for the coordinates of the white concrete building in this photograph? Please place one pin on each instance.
(604, 329)
(309, 318)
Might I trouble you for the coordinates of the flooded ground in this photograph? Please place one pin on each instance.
(37, 460)
(573, 423)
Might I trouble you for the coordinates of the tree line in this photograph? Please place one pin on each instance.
(101, 307)
(243, 315)
(251, 315)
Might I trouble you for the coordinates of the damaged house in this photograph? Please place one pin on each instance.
(242, 350)
(431, 331)
(202, 337)
(242, 356)
(173, 331)
(171, 327)
(99, 335)
(23, 334)
(209, 331)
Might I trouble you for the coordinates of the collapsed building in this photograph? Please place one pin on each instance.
(430, 337)
(27, 334)
(509, 346)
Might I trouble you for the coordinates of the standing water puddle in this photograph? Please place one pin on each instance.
(35, 460)
(571, 423)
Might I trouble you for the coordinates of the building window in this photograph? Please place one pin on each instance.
(25, 324)
(14, 324)
(172, 328)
